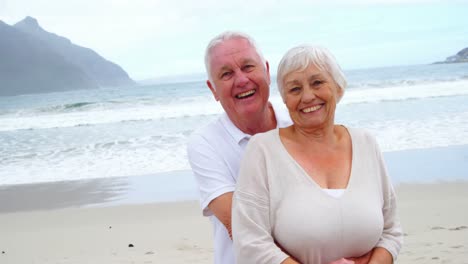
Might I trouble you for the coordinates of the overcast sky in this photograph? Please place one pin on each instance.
(156, 38)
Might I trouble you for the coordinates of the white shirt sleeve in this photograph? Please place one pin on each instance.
(210, 171)
(252, 232)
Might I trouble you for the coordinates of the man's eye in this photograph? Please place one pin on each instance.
(248, 67)
(226, 74)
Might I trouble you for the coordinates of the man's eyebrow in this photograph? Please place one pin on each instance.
(248, 60)
(223, 69)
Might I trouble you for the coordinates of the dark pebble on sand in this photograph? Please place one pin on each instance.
(458, 228)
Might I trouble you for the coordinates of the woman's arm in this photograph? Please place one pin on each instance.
(390, 242)
(251, 226)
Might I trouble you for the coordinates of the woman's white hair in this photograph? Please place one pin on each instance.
(301, 57)
(228, 35)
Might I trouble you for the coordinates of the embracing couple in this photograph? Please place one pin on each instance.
(289, 186)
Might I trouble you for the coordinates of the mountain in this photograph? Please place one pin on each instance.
(28, 65)
(461, 56)
(36, 61)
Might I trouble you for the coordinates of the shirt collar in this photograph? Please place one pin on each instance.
(282, 120)
(234, 131)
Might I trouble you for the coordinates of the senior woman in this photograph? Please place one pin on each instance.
(314, 192)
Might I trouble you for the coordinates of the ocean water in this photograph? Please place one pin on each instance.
(144, 130)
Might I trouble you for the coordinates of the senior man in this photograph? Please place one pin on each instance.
(239, 78)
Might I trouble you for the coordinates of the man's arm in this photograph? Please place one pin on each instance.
(381, 256)
(221, 207)
(289, 260)
(215, 181)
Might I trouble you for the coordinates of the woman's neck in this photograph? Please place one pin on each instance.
(327, 135)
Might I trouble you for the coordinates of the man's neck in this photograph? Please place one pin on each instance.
(264, 121)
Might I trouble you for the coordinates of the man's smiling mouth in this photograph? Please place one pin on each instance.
(246, 94)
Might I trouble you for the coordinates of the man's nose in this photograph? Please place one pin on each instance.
(241, 79)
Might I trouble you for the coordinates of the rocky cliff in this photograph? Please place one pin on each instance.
(461, 56)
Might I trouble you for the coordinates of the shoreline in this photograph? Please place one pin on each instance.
(100, 192)
(433, 165)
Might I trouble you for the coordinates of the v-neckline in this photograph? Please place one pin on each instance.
(310, 179)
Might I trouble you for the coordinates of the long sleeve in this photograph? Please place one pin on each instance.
(392, 236)
(253, 241)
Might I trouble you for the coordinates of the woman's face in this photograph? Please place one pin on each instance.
(310, 96)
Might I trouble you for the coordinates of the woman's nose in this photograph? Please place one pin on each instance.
(308, 95)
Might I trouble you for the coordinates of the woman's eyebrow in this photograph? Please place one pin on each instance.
(292, 82)
(315, 76)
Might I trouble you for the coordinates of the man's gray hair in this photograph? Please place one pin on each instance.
(228, 35)
(301, 57)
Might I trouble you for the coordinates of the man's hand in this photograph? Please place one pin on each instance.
(342, 261)
(364, 259)
(290, 261)
(221, 207)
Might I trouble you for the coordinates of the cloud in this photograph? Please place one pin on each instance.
(161, 37)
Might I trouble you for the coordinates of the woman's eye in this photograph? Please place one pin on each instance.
(295, 89)
(317, 82)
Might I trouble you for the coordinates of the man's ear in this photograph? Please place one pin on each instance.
(212, 89)
(267, 68)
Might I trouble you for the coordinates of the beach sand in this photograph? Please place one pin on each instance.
(434, 218)
(435, 222)
(159, 233)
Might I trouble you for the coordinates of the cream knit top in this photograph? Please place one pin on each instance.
(278, 208)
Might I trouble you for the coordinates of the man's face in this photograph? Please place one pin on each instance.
(240, 81)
